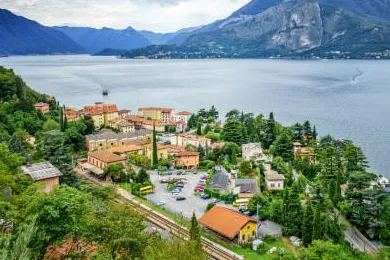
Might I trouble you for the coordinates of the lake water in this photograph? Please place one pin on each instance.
(348, 99)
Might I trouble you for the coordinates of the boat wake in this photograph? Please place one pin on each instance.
(355, 78)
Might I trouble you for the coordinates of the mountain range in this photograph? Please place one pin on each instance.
(261, 28)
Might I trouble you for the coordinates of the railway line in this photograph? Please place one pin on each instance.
(212, 250)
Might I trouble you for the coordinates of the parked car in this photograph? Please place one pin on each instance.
(161, 202)
(248, 213)
(180, 198)
(195, 172)
(183, 173)
(204, 178)
(175, 194)
(216, 201)
(205, 196)
(242, 208)
(199, 189)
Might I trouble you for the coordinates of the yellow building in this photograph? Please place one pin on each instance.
(161, 115)
(101, 113)
(98, 119)
(230, 224)
(162, 151)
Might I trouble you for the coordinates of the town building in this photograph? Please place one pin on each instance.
(230, 224)
(126, 127)
(150, 125)
(306, 152)
(43, 107)
(71, 114)
(101, 113)
(194, 140)
(107, 138)
(136, 120)
(219, 181)
(162, 152)
(182, 116)
(167, 139)
(245, 188)
(158, 114)
(187, 159)
(102, 159)
(124, 113)
(296, 146)
(252, 151)
(273, 180)
(44, 173)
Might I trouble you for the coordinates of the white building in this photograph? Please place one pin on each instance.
(273, 180)
(183, 116)
(252, 151)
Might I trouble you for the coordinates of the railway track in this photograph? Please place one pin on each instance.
(213, 250)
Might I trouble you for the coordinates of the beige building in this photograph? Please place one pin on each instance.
(187, 159)
(101, 113)
(273, 180)
(161, 115)
(183, 116)
(44, 173)
(102, 159)
(107, 138)
(194, 140)
(126, 127)
(162, 151)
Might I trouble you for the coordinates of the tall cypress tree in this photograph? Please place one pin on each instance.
(233, 160)
(269, 131)
(315, 134)
(61, 119)
(317, 225)
(307, 228)
(195, 232)
(294, 214)
(337, 195)
(199, 129)
(154, 156)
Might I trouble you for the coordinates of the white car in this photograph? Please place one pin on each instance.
(175, 194)
(161, 203)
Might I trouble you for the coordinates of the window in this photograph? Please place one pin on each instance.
(272, 185)
(243, 237)
(253, 233)
(278, 184)
(248, 227)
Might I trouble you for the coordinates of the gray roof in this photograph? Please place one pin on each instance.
(247, 185)
(41, 171)
(110, 135)
(240, 182)
(219, 181)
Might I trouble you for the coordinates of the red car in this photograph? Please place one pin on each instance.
(204, 178)
(199, 189)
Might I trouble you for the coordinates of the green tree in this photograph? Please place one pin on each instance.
(245, 168)
(115, 171)
(213, 112)
(50, 125)
(142, 176)
(307, 131)
(233, 158)
(307, 228)
(54, 149)
(154, 156)
(283, 147)
(192, 121)
(232, 131)
(317, 224)
(201, 152)
(294, 213)
(15, 144)
(356, 160)
(195, 232)
(269, 132)
(315, 134)
(233, 114)
(90, 126)
(199, 128)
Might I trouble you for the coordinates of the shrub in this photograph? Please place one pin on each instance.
(210, 206)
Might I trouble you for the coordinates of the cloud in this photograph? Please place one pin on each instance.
(156, 15)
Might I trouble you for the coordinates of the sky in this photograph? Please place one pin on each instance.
(154, 15)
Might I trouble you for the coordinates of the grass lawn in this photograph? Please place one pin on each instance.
(125, 186)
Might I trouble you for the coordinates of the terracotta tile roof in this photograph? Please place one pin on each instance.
(187, 153)
(106, 156)
(159, 146)
(41, 104)
(225, 221)
(184, 113)
(134, 118)
(124, 124)
(124, 111)
(110, 108)
(126, 148)
(151, 122)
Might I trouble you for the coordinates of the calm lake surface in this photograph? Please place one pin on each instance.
(348, 99)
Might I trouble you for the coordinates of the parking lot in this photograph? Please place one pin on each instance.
(185, 207)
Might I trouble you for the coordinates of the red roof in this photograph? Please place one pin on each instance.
(184, 113)
(41, 104)
(187, 153)
(225, 221)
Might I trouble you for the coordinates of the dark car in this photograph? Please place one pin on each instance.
(180, 198)
(248, 213)
(205, 196)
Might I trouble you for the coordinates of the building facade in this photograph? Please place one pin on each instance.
(44, 173)
(182, 116)
(102, 159)
(43, 107)
(187, 159)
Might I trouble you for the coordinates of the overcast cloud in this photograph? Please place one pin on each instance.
(155, 15)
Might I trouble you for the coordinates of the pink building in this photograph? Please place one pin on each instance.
(44, 107)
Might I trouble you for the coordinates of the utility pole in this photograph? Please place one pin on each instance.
(258, 220)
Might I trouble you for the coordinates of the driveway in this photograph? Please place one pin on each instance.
(185, 207)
